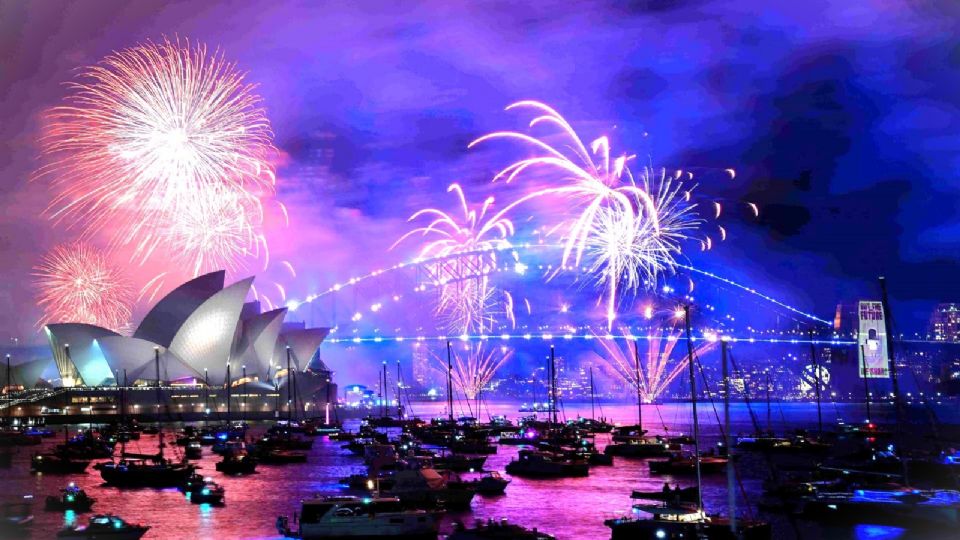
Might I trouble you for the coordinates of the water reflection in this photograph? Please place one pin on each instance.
(877, 532)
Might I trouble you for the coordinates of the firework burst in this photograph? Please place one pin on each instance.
(628, 251)
(657, 367)
(629, 227)
(77, 284)
(473, 370)
(146, 137)
(467, 247)
(592, 179)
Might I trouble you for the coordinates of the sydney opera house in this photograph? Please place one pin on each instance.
(200, 350)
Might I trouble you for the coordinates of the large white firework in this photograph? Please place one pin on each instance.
(147, 136)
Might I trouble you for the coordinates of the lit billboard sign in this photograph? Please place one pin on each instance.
(872, 342)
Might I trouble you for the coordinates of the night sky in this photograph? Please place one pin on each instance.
(840, 118)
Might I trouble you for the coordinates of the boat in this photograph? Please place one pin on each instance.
(429, 489)
(639, 448)
(473, 446)
(599, 459)
(85, 446)
(70, 498)
(671, 522)
(908, 508)
(104, 527)
(459, 462)
(57, 463)
(496, 530)
(18, 438)
(685, 464)
(535, 464)
(16, 518)
(773, 444)
(627, 433)
(193, 450)
(137, 470)
(39, 432)
(192, 483)
(491, 483)
(517, 438)
(344, 517)
(281, 457)
(668, 494)
(237, 464)
(208, 492)
(591, 425)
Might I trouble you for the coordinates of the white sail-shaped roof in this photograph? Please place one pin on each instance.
(302, 343)
(164, 321)
(127, 353)
(24, 374)
(84, 352)
(171, 367)
(206, 337)
(258, 341)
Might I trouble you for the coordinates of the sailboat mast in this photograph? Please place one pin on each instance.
(636, 357)
(693, 403)
(731, 474)
(289, 388)
(553, 386)
(593, 414)
(769, 416)
(888, 327)
(156, 361)
(449, 382)
(228, 392)
(817, 383)
(386, 395)
(866, 386)
(9, 394)
(399, 406)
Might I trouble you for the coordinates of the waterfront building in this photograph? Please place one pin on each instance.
(200, 335)
(945, 323)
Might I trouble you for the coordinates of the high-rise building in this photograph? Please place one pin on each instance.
(945, 323)
(423, 373)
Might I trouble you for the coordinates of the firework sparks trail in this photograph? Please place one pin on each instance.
(594, 181)
(77, 284)
(657, 367)
(630, 228)
(625, 251)
(465, 294)
(147, 136)
(473, 372)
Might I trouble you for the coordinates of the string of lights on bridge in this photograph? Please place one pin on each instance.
(521, 268)
(547, 337)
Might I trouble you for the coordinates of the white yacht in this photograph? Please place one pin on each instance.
(354, 517)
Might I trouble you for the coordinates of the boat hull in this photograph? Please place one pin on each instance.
(407, 527)
(717, 529)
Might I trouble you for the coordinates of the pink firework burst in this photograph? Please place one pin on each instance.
(77, 284)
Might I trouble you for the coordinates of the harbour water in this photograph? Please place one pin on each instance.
(568, 508)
